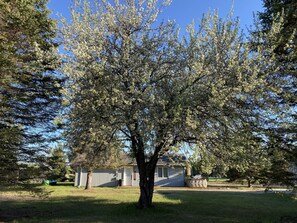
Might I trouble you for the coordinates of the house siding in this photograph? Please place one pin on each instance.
(77, 178)
(104, 178)
(100, 178)
(176, 177)
(110, 178)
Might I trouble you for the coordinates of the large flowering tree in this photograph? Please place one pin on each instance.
(136, 79)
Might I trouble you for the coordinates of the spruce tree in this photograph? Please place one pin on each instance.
(29, 88)
(281, 100)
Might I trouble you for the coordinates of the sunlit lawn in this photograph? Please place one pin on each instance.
(70, 204)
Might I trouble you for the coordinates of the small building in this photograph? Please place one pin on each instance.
(168, 173)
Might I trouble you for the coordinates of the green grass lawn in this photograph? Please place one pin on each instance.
(70, 204)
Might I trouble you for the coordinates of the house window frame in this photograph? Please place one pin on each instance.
(167, 172)
(164, 173)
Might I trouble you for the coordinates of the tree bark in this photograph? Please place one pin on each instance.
(89, 180)
(146, 168)
(147, 180)
(249, 183)
(146, 185)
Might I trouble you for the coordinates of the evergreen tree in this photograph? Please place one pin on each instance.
(57, 164)
(29, 89)
(287, 8)
(281, 100)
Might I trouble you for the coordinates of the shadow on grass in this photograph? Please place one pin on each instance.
(19, 188)
(170, 206)
(69, 184)
(233, 186)
(230, 206)
(79, 209)
(58, 209)
(30, 187)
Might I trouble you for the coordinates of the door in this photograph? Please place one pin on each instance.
(128, 176)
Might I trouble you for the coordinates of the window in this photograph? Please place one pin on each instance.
(165, 171)
(162, 172)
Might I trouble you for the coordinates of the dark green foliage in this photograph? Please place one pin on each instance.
(289, 10)
(285, 49)
(276, 109)
(282, 159)
(29, 89)
(57, 164)
(284, 134)
(9, 142)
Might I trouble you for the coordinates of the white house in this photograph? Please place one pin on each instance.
(168, 173)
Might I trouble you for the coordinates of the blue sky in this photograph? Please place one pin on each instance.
(184, 11)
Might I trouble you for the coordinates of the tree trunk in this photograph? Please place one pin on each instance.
(146, 169)
(89, 180)
(146, 185)
(249, 183)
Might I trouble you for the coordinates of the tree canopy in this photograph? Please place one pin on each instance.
(139, 80)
